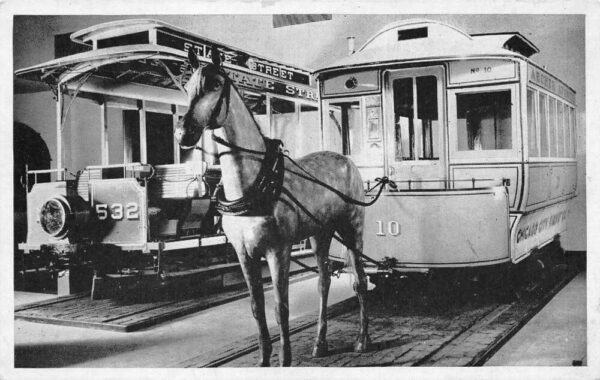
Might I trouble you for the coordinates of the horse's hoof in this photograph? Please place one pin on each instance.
(362, 345)
(320, 350)
(263, 363)
(285, 357)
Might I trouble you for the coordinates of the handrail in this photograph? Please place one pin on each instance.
(114, 165)
(62, 177)
(448, 183)
(135, 167)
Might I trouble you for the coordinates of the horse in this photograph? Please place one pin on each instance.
(304, 209)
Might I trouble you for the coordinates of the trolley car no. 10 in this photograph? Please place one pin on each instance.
(479, 139)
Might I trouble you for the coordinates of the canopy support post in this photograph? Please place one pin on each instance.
(59, 117)
(177, 158)
(143, 145)
(104, 132)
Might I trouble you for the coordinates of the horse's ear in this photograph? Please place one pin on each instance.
(216, 56)
(193, 58)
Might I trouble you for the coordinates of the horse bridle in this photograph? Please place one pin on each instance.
(225, 96)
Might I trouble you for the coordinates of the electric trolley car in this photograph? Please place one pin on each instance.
(480, 141)
(123, 196)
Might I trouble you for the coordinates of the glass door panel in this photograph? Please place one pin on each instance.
(416, 139)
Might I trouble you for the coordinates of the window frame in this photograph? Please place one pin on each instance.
(390, 76)
(537, 121)
(325, 117)
(297, 102)
(485, 155)
(573, 127)
(546, 124)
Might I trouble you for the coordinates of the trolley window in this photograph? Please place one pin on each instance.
(309, 130)
(560, 136)
(552, 126)
(531, 122)
(484, 121)
(284, 120)
(294, 123)
(416, 138)
(543, 107)
(347, 118)
(567, 132)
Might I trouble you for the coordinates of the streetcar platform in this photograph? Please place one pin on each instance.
(197, 340)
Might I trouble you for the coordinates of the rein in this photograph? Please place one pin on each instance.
(308, 176)
(268, 186)
(380, 183)
(226, 93)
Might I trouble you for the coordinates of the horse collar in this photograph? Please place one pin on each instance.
(262, 195)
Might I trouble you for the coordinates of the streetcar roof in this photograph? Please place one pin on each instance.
(129, 27)
(132, 63)
(421, 39)
(141, 43)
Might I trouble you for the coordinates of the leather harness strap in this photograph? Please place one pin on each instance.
(260, 198)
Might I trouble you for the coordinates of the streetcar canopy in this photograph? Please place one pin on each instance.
(142, 64)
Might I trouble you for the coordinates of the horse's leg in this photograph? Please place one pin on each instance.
(252, 273)
(279, 265)
(352, 235)
(321, 243)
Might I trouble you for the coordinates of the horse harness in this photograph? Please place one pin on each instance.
(261, 196)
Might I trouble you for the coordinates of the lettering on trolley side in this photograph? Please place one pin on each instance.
(544, 80)
(470, 71)
(390, 228)
(485, 69)
(538, 226)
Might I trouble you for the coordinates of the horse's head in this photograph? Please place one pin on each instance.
(208, 93)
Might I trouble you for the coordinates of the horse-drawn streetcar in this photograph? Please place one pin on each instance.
(480, 141)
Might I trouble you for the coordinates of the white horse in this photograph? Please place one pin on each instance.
(215, 104)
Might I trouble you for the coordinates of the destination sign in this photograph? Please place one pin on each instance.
(260, 83)
(232, 57)
(546, 81)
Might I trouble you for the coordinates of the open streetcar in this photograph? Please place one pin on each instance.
(480, 141)
(123, 196)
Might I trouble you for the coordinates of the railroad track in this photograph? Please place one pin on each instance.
(460, 330)
(134, 309)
